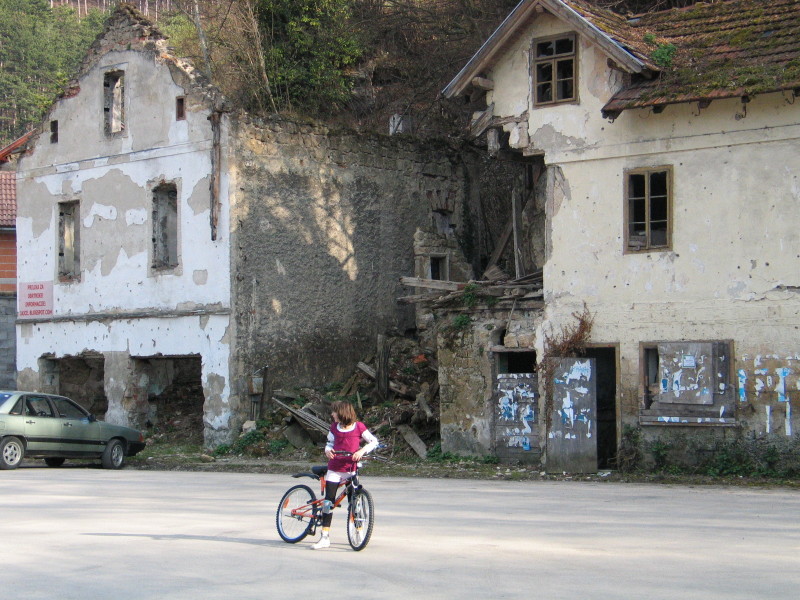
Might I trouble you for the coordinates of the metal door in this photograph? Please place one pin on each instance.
(571, 424)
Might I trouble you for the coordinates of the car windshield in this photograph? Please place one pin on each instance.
(4, 396)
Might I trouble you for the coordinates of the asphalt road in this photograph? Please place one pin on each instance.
(86, 533)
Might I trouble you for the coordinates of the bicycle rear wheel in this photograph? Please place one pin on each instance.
(360, 519)
(296, 513)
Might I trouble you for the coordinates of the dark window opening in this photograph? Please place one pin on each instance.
(438, 268)
(165, 226)
(516, 362)
(53, 132)
(114, 102)
(68, 241)
(554, 70)
(180, 108)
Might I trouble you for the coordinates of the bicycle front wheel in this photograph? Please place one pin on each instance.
(296, 513)
(360, 519)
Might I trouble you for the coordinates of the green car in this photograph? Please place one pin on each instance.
(55, 428)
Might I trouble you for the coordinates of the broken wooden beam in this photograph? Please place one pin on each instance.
(396, 387)
(434, 284)
(413, 440)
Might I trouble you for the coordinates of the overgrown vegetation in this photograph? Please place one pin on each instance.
(40, 49)
(770, 457)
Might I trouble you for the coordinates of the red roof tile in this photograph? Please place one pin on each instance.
(8, 198)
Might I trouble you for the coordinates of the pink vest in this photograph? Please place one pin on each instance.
(345, 441)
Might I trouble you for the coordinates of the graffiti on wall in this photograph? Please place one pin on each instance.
(516, 410)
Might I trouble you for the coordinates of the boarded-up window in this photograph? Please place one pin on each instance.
(68, 241)
(114, 102)
(647, 212)
(165, 226)
(554, 70)
(686, 372)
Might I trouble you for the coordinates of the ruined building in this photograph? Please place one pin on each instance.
(663, 153)
(175, 248)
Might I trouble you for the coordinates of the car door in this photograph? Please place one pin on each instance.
(79, 434)
(42, 429)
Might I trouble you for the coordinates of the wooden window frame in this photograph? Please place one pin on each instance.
(647, 245)
(553, 60)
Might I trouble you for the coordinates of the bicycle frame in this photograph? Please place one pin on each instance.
(313, 510)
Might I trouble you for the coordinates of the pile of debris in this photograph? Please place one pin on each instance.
(403, 413)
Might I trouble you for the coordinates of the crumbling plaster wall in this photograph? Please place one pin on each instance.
(732, 270)
(120, 306)
(468, 373)
(324, 225)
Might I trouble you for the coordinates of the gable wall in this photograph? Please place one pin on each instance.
(121, 306)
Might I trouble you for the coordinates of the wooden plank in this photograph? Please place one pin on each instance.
(413, 440)
(479, 125)
(482, 83)
(433, 284)
(396, 387)
(413, 299)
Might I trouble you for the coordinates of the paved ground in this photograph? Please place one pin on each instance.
(85, 533)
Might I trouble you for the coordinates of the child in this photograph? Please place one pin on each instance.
(345, 435)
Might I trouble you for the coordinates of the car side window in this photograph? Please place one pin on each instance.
(68, 410)
(18, 408)
(38, 407)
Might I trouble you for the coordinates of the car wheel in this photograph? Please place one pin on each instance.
(54, 461)
(11, 452)
(113, 455)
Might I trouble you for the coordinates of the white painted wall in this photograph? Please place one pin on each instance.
(113, 178)
(733, 271)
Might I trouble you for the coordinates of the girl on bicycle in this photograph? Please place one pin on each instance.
(344, 451)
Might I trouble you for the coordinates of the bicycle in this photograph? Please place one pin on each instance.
(300, 511)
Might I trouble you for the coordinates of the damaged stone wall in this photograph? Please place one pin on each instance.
(484, 410)
(324, 226)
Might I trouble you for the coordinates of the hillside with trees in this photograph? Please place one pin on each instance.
(354, 63)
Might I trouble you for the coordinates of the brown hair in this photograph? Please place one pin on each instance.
(345, 412)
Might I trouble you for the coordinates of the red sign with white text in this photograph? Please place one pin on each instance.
(35, 300)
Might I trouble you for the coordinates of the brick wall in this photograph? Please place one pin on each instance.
(8, 262)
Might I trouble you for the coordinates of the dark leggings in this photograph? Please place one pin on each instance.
(330, 494)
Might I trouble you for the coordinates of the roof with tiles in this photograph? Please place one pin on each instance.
(735, 48)
(8, 199)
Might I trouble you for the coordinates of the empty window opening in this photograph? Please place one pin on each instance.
(165, 226)
(516, 362)
(648, 209)
(180, 108)
(68, 241)
(554, 70)
(438, 268)
(651, 378)
(53, 132)
(113, 101)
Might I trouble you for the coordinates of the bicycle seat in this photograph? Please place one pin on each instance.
(319, 471)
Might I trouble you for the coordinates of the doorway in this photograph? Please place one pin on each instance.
(606, 371)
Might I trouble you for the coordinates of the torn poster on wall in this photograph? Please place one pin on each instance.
(516, 410)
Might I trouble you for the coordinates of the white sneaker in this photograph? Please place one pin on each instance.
(324, 542)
